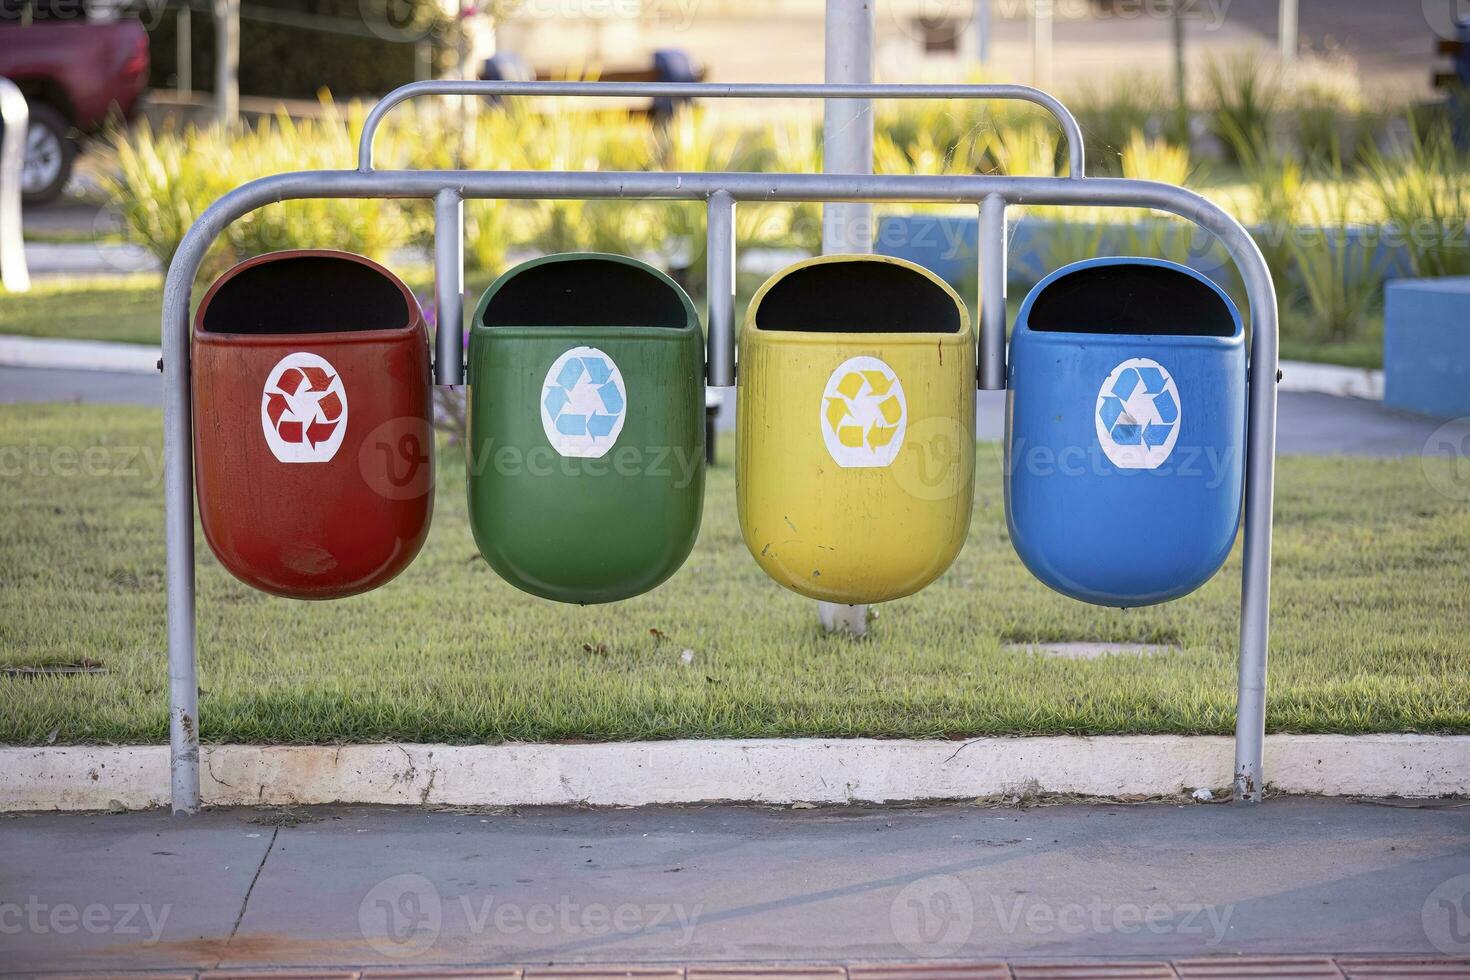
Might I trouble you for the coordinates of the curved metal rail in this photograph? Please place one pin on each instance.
(1076, 148)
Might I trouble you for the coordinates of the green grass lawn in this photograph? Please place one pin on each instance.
(1372, 607)
(1353, 353)
(122, 308)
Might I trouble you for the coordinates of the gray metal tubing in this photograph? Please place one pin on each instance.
(1260, 490)
(1261, 433)
(449, 288)
(720, 287)
(699, 186)
(178, 521)
(1076, 148)
(847, 127)
(992, 281)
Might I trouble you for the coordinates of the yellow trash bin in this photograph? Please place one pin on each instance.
(855, 418)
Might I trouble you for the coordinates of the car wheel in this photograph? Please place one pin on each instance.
(50, 152)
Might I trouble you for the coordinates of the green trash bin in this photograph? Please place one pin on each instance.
(586, 427)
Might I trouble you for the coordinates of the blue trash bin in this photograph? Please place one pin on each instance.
(1125, 430)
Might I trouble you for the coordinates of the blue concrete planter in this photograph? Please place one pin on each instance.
(1426, 346)
(947, 246)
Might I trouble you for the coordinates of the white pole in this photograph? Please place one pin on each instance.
(847, 129)
(1181, 79)
(847, 148)
(14, 275)
(227, 63)
(184, 50)
(983, 31)
(1041, 43)
(1288, 31)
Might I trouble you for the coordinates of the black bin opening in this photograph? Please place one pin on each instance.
(858, 297)
(1141, 299)
(306, 294)
(586, 293)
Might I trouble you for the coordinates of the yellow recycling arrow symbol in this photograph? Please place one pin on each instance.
(878, 382)
(875, 434)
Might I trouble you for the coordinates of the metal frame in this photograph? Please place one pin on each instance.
(991, 195)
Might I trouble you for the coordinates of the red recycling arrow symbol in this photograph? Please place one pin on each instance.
(319, 378)
(330, 406)
(290, 381)
(320, 432)
(276, 406)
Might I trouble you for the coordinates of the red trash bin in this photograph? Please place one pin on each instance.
(313, 444)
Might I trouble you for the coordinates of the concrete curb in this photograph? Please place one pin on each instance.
(755, 770)
(84, 355)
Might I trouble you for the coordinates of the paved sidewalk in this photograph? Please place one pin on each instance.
(40, 385)
(1089, 968)
(412, 887)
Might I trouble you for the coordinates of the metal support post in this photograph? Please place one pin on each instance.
(984, 31)
(1041, 42)
(1288, 32)
(449, 288)
(993, 247)
(184, 50)
(720, 284)
(227, 63)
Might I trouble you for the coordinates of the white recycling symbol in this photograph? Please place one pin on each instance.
(863, 414)
(303, 409)
(1138, 415)
(583, 403)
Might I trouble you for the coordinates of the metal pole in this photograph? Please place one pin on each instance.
(178, 491)
(847, 124)
(1041, 43)
(1181, 80)
(984, 26)
(449, 288)
(720, 284)
(847, 148)
(993, 293)
(1076, 150)
(1288, 33)
(184, 49)
(14, 114)
(1260, 490)
(227, 63)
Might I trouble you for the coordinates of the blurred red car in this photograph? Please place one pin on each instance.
(75, 66)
